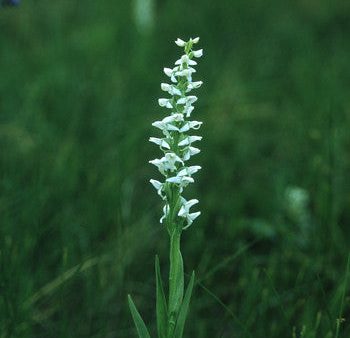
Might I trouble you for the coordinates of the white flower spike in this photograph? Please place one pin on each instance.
(176, 147)
(176, 144)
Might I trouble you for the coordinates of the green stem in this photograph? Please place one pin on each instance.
(176, 280)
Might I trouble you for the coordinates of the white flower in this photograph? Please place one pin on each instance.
(185, 60)
(183, 178)
(165, 127)
(188, 140)
(197, 53)
(190, 151)
(168, 71)
(188, 110)
(165, 103)
(193, 85)
(190, 125)
(187, 100)
(183, 181)
(195, 40)
(171, 73)
(167, 162)
(177, 117)
(171, 159)
(185, 211)
(159, 163)
(187, 72)
(166, 124)
(189, 171)
(159, 141)
(172, 90)
(180, 43)
(158, 186)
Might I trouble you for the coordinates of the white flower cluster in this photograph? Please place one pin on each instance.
(176, 144)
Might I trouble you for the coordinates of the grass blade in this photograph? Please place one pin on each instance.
(162, 311)
(180, 323)
(139, 323)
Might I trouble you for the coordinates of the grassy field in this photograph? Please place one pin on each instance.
(79, 222)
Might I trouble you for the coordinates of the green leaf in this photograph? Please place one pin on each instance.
(162, 311)
(176, 275)
(180, 323)
(139, 323)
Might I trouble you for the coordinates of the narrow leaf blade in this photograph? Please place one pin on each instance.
(180, 323)
(176, 282)
(139, 323)
(176, 277)
(162, 311)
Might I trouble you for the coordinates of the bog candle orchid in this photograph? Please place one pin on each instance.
(178, 145)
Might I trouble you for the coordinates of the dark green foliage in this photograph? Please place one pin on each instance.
(79, 222)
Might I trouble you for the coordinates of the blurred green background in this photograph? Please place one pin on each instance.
(79, 82)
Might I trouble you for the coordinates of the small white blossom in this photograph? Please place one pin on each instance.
(159, 141)
(188, 140)
(183, 181)
(189, 171)
(167, 162)
(193, 85)
(187, 72)
(187, 100)
(195, 40)
(190, 151)
(190, 125)
(197, 53)
(177, 117)
(172, 90)
(188, 110)
(165, 103)
(171, 73)
(185, 60)
(167, 124)
(158, 186)
(185, 211)
(180, 43)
